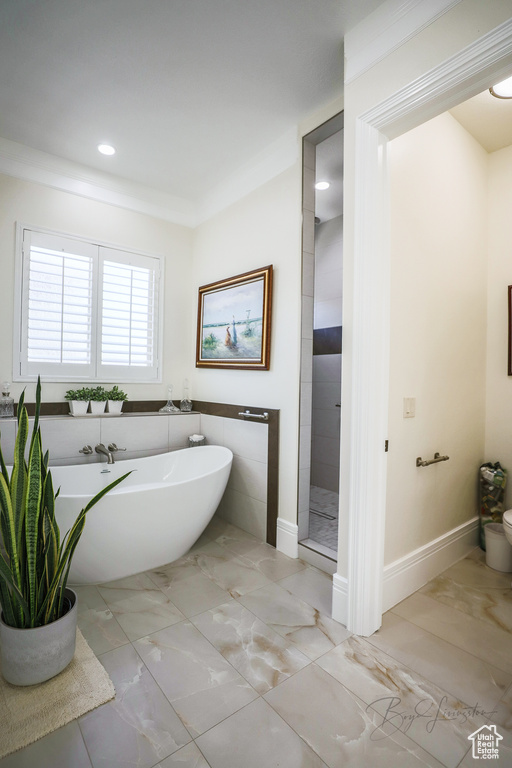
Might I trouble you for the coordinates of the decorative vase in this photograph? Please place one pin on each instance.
(78, 407)
(31, 656)
(115, 406)
(98, 406)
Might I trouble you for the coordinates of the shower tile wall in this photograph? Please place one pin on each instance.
(325, 458)
(325, 454)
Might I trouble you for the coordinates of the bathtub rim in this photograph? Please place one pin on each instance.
(121, 491)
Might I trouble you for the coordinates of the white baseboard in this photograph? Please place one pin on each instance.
(410, 573)
(340, 599)
(287, 538)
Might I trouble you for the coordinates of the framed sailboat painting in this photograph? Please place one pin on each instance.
(233, 322)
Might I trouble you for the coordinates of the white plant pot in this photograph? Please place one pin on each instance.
(115, 406)
(31, 656)
(78, 407)
(98, 406)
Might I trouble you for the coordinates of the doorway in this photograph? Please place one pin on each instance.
(321, 344)
(357, 600)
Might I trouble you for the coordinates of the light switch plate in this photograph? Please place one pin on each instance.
(409, 407)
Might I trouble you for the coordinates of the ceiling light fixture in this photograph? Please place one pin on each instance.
(502, 90)
(322, 185)
(106, 149)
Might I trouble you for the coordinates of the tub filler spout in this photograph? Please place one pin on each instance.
(100, 448)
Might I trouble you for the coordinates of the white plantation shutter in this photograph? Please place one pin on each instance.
(58, 305)
(129, 313)
(87, 312)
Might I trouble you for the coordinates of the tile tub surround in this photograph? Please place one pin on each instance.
(140, 433)
(254, 673)
(253, 493)
(255, 445)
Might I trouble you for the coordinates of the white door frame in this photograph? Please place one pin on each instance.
(469, 72)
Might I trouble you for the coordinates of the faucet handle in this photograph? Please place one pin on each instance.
(113, 448)
(87, 450)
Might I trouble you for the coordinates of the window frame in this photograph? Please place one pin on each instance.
(122, 374)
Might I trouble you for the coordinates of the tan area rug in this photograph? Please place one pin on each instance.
(29, 713)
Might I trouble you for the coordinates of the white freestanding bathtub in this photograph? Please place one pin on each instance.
(151, 518)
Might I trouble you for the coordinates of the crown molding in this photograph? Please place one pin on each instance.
(29, 164)
(386, 29)
(273, 160)
(32, 165)
(460, 77)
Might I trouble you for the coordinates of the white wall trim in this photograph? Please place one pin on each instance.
(448, 84)
(468, 72)
(287, 538)
(407, 574)
(387, 28)
(340, 599)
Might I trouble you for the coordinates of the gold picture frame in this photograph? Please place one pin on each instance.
(234, 320)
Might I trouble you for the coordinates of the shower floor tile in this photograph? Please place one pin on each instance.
(323, 517)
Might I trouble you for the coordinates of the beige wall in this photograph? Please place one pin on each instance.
(462, 25)
(41, 206)
(498, 441)
(261, 228)
(438, 187)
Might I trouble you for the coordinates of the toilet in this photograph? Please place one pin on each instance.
(507, 524)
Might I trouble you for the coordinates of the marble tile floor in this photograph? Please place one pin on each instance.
(228, 658)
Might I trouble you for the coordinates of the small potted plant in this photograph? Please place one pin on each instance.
(39, 613)
(97, 399)
(78, 401)
(116, 398)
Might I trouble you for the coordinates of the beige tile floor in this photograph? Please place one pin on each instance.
(228, 658)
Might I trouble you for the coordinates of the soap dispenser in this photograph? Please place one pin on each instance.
(6, 402)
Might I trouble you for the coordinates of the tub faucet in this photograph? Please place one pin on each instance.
(100, 448)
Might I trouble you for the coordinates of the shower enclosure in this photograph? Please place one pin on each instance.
(322, 279)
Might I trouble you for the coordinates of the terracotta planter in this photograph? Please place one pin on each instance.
(31, 656)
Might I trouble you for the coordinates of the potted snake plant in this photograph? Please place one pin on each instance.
(39, 612)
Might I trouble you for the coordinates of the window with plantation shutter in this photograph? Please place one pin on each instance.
(87, 312)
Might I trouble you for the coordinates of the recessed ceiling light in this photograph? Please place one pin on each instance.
(106, 149)
(502, 90)
(322, 185)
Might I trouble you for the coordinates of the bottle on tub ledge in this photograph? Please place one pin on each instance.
(169, 407)
(6, 402)
(186, 402)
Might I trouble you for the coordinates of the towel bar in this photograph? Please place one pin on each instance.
(248, 415)
(437, 458)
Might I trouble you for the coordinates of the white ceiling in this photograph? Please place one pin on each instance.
(487, 119)
(186, 90)
(329, 167)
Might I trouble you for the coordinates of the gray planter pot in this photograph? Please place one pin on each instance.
(31, 656)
